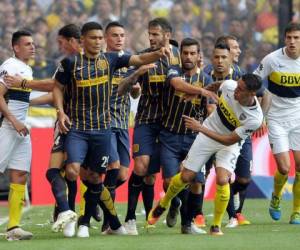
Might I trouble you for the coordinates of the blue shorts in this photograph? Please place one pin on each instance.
(173, 150)
(89, 147)
(244, 162)
(59, 140)
(145, 137)
(154, 164)
(120, 147)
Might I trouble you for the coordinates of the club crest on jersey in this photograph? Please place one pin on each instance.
(3, 73)
(60, 68)
(101, 64)
(174, 60)
(242, 117)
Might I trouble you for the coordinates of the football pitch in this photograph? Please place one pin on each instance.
(263, 233)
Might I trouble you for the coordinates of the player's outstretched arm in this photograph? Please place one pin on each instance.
(126, 84)
(150, 57)
(42, 100)
(17, 81)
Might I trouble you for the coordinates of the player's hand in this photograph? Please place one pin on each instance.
(210, 94)
(144, 68)
(135, 90)
(192, 124)
(20, 128)
(165, 52)
(64, 123)
(13, 81)
(260, 131)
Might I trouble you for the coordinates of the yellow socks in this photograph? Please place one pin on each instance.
(82, 189)
(175, 187)
(296, 193)
(15, 204)
(279, 182)
(105, 197)
(221, 202)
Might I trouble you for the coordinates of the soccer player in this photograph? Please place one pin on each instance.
(16, 155)
(119, 159)
(281, 104)
(175, 138)
(87, 121)
(238, 114)
(148, 122)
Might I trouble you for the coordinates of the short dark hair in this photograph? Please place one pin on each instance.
(70, 31)
(222, 45)
(292, 26)
(189, 42)
(162, 22)
(113, 24)
(225, 38)
(253, 82)
(90, 26)
(18, 34)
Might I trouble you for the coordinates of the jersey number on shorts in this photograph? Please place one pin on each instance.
(104, 161)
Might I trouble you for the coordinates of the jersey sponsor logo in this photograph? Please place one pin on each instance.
(228, 113)
(92, 82)
(116, 80)
(261, 67)
(157, 78)
(285, 79)
(102, 64)
(249, 131)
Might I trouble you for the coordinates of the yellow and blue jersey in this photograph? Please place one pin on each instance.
(88, 82)
(175, 104)
(235, 73)
(150, 107)
(119, 105)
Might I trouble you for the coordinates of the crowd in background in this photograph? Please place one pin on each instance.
(253, 22)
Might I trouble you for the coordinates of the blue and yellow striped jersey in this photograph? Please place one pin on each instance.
(88, 80)
(175, 104)
(119, 105)
(150, 107)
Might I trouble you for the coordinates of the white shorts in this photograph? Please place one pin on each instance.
(204, 147)
(284, 135)
(15, 150)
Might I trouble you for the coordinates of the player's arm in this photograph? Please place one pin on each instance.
(214, 87)
(58, 99)
(182, 86)
(127, 83)
(19, 126)
(150, 57)
(17, 81)
(42, 100)
(196, 126)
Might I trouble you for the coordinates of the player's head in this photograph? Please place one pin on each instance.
(114, 36)
(159, 30)
(247, 87)
(23, 45)
(69, 39)
(92, 38)
(292, 40)
(233, 44)
(189, 53)
(221, 58)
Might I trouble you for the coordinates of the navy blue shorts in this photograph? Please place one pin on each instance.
(120, 147)
(154, 164)
(59, 140)
(244, 162)
(173, 150)
(145, 138)
(89, 147)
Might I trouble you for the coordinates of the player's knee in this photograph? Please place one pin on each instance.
(196, 188)
(243, 181)
(222, 180)
(18, 177)
(284, 169)
(140, 167)
(72, 172)
(113, 165)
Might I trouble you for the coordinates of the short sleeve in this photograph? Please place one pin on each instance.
(172, 73)
(246, 130)
(264, 68)
(63, 73)
(117, 60)
(7, 68)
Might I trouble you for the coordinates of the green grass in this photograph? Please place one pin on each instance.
(263, 233)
